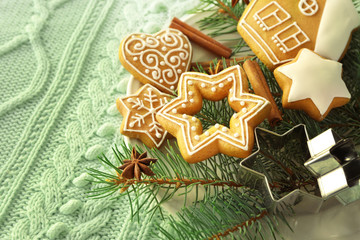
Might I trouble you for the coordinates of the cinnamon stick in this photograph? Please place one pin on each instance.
(228, 61)
(200, 38)
(261, 88)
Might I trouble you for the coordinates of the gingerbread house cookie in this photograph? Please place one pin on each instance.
(139, 112)
(312, 84)
(277, 29)
(157, 59)
(196, 144)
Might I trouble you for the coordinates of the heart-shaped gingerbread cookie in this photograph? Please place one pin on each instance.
(157, 59)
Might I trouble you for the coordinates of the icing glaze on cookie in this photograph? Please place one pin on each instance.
(139, 112)
(188, 130)
(339, 19)
(277, 30)
(313, 77)
(157, 59)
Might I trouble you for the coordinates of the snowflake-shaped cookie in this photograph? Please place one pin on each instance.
(139, 112)
(195, 144)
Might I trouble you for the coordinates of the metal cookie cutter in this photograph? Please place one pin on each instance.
(336, 165)
(281, 154)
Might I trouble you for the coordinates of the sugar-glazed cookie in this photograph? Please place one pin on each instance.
(157, 59)
(139, 112)
(196, 144)
(312, 84)
(277, 29)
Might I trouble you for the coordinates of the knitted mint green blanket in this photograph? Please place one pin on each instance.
(60, 76)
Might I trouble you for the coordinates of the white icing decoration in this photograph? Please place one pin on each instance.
(135, 59)
(236, 135)
(164, 48)
(213, 89)
(338, 20)
(244, 110)
(229, 79)
(197, 138)
(190, 93)
(242, 103)
(207, 133)
(224, 129)
(295, 36)
(315, 78)
(147, 71)
(152, 102)
(191, 100)
(308, 7)
(190, 83)
(174, 110)
(172, 87)
(144, 48)
(161, 81)
(203, 85)
(272, 9)
(193, 119)
(280, 18)
(184, 116)
(179, 71)
(183, 105)
(193, 128)
(221, 85)
(238, 94)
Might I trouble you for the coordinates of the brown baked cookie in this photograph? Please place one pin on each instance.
(312, 84)
(139, 112)
(157, 59)
(276, 30)
(196, 144)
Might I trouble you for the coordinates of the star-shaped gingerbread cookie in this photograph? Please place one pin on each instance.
(196, 144)
(139, 112)
(312, 84)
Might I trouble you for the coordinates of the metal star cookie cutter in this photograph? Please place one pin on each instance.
(336, 165)
(269, 144)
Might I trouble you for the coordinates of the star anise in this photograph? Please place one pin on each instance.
(137, 164)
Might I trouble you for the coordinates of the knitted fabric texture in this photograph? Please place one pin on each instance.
(60, 76)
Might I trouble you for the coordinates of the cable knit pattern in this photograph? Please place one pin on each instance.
(60, 78)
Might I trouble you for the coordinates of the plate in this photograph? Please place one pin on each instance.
(333, 222)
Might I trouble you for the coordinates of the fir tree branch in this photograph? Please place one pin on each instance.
(172, 173)
(231, 213)
(238, 226)
(178, 182)
(228, 10)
